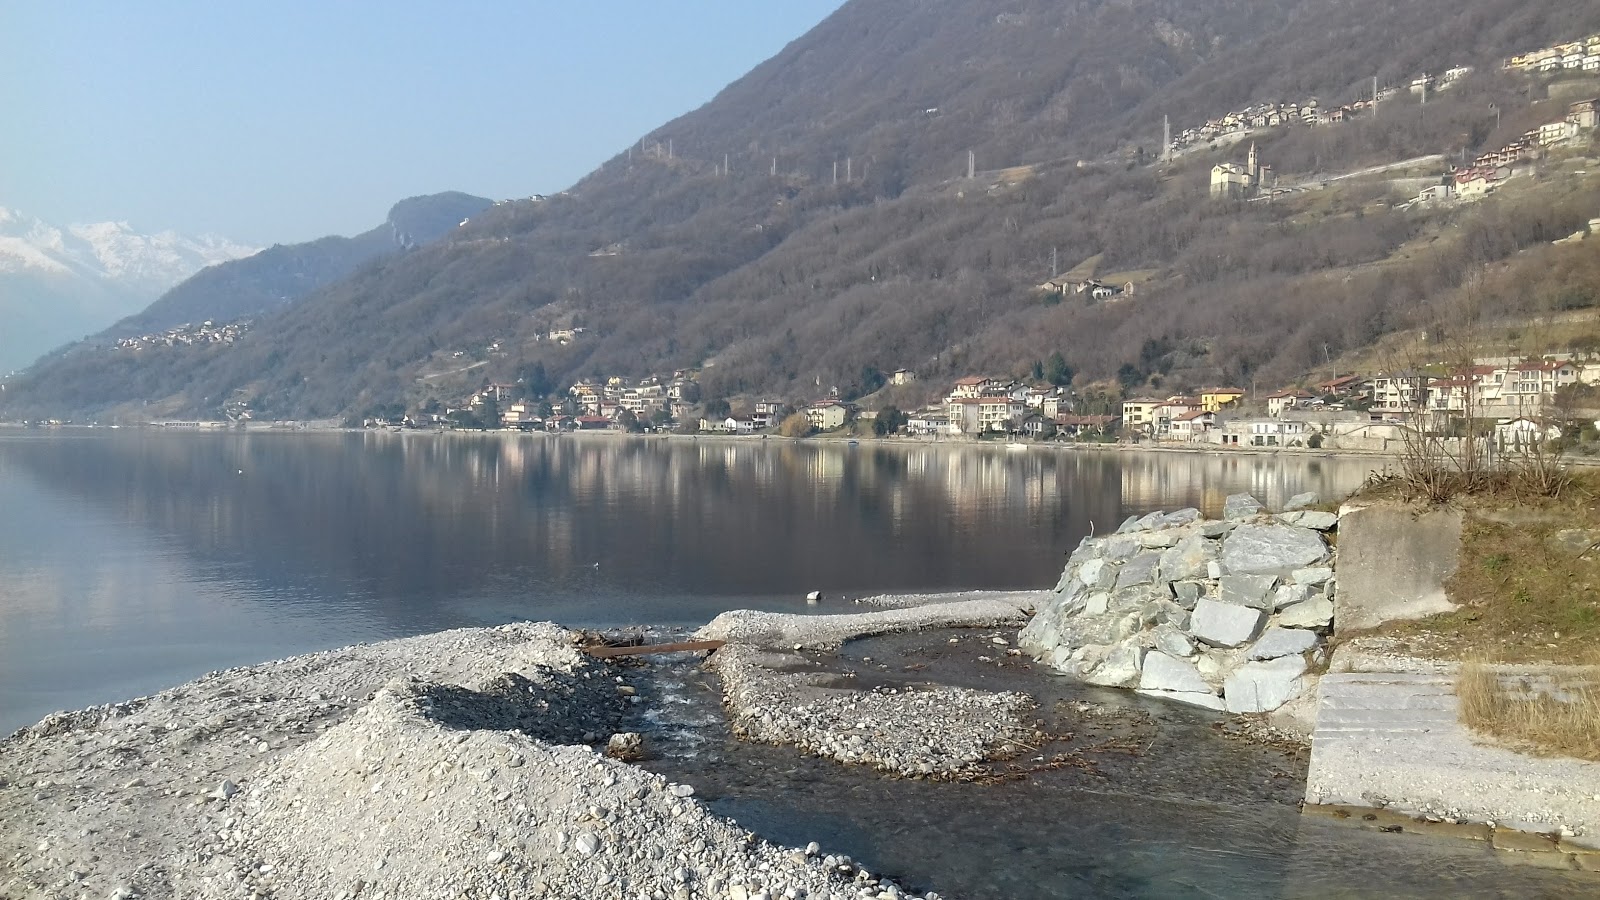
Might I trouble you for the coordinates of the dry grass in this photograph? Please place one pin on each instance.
(1555, 715)
(1526, 592)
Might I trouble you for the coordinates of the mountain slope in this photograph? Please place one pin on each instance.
(283, 273)
(780, 275)
(58, 283)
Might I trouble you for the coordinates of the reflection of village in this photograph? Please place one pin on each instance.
(970, 488)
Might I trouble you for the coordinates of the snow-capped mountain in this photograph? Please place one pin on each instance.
(58, 283)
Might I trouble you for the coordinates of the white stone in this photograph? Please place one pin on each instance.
(1166, 673)
(1314, 613)
(1272, 549)
(1096, 604)
(1276, 642)
(1120, 669)
(1312, 575)
(1193, 698)
(1224, 624)
(1241, 506)
(1089, 572)
(1310, 518)
(1173, 642)
(587, 843)
(1264, 686)
(1301, 501)
(1246, 590)
(1289, 594)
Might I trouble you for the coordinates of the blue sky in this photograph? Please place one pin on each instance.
(280, 122)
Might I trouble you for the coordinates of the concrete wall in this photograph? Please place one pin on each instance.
(1393, 562)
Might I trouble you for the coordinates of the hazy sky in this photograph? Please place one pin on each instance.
(279, 122)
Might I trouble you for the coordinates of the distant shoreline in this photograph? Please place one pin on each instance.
(898, 441)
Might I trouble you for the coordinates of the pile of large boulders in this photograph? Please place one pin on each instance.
(1222, 613)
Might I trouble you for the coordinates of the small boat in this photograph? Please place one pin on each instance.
(854, 443)
(1014, 445)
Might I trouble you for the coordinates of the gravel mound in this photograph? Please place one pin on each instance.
(936, 732)
(401, 802)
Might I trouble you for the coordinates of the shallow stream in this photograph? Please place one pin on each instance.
(1155, 800)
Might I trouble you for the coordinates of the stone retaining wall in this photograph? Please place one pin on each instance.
(1225, 614)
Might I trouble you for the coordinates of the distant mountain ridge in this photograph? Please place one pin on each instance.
(284, 273)
(817, 219)
(58, 282)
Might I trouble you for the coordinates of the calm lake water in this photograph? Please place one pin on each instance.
(134, 560)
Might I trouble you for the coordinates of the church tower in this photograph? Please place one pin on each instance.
(1252, 168)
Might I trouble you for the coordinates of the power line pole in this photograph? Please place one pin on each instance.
(724, 164)
(847, 167)
(1166, 138)
(972, 165)
(1053, 270)
(774, 167)
(836, 173)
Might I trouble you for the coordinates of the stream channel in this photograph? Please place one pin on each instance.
(1155, 799)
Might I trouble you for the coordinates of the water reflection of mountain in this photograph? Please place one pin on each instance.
(420, 519)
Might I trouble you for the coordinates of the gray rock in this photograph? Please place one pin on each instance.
(1096, 604)
(1172, 642)
(587, 843)
(1160, 540)
(1263, 686)
(1312, 575)
(1290, 594)
(1309, 518)
(1575, 541)
(1277, 641)
(1216, 529)
(1207, 699)
(1163, 672)
(1241, 506)
(1188, 558)
(1180, 517)
(1224, 624)
(1314, 613)
(225, 790)
(1166, 612)
(1132, 524)
(1186, 593)
(1301, 501)
(1272, 549)
(1215, 570)
(1119, 547)
(1120, 669)
(1090, 572)
(628, 746)
(1141, 569)
(1247, 590)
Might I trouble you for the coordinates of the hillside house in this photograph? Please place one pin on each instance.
(1263, 433)
(970, 387)
(827, 415)
(1170, 410)
(1585, 114)
(1138, 414)
(1038, 425)
(1219, 398)
(1340, 386)
(999, 413)
(902, 377)
(1399, 393)
(928, 423)
(740, 425)
(1283, 401)
(1192, 426)
(1078, 426)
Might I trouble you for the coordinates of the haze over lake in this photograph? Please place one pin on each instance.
(134, 560)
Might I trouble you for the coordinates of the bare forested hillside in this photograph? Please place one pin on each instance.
(815, 219)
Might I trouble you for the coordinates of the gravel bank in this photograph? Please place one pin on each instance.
(437, 766)
(929, 732)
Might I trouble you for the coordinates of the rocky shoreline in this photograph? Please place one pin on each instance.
(1229, 614)
(464, 764)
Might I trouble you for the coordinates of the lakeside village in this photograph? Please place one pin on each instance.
(1523, 402)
